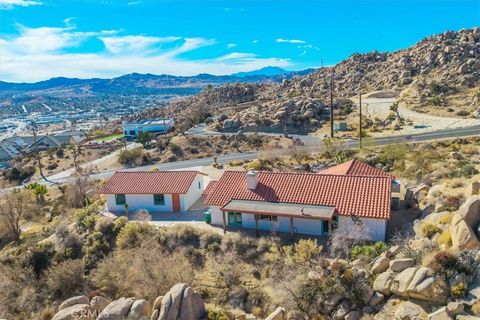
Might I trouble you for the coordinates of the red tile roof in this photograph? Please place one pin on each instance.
(364, 196)
(149, 182)
(209, 187)
(356, 168)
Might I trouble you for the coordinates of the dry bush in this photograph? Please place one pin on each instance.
(445, 238)
(66, 278)
(151, 271)
(428, 229)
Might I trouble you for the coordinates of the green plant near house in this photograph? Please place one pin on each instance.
(368, 251)
(39, 190)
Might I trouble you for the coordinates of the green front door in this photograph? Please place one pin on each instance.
(234, 219)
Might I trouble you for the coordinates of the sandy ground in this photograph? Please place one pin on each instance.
(380, 107)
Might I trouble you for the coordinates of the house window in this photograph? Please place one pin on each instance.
(199, 185)
(159, 199)
(234, 218)
(120, 199)
(132, 132)
(267, 217)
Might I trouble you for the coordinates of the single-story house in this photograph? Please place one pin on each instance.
(154, 191)
(303, 203)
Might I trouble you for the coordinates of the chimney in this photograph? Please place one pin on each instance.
(252, 179)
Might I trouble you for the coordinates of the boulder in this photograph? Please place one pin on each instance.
(408, 310)
(417, 283)
(376, 299)
(380, 265)
(455, 308)
(141, 309)
(158, 303)
(393, 251)
(402, 280)
(295, 315)
(342, 310)
(182, 303)
(383, 283)
(366, 294)
(470, 211)
(353, 315)
(278, 314)
(155, 314)
(475, 188)
(98, 303)
(75, 312)
(401, 264)
(73, 301)
(440, 314)
(116, 310)
(463, 236)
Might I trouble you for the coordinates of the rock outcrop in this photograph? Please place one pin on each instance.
(181, 303)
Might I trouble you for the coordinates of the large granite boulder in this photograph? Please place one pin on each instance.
(141, 309)
(463, 235)
(380, 265)
(401, 264)
(383, 282)
(73, 301)
(420, 283)
(98, 303)
(408, 310)
(278, 314)
(116, 310)
(75, 312)
(470, 211)
(182, 303)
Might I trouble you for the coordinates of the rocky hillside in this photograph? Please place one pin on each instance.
(441, 72)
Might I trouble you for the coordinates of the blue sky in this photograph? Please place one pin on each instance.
(41, 39)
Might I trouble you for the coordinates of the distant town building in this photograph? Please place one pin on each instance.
(132, 129)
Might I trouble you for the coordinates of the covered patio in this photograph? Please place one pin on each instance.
(276, 217)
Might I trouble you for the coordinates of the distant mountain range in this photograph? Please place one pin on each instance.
(136, 83)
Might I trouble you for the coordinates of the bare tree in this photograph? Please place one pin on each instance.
(142, 215)
(14, 206)
(346, 236)
(81, 188)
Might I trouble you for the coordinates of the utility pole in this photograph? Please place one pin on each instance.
(360, 111)
(331, 104)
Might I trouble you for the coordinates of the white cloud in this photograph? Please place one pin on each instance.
(231, 45)
(295, 41)
(41, 53)
(134, 44)
(9, 4)
(255, 41)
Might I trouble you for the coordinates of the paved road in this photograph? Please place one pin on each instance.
(349, 144)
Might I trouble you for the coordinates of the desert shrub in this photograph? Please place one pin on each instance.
(445, 238)
(19, 173)
(60, 153)
(151, 271)
(459, 290)
(467, 170)
(451, 203)
(95, 248)
(345, 237)
(469, 149)
(215, 314)
(47, 313)
(259, 164)
(444, 263)
(133, 234)
(182, 235)
(210, 241)
(86, 218)
(41, 259)
(368, 251)
(467, 263)
(133, 157)
(175, 148)
(66, 278)
(52, 166)
(306, 250)
(428, 229)
(446, 219)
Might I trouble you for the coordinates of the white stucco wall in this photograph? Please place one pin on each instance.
(194, 192)
(376, 228)
(139, 201)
